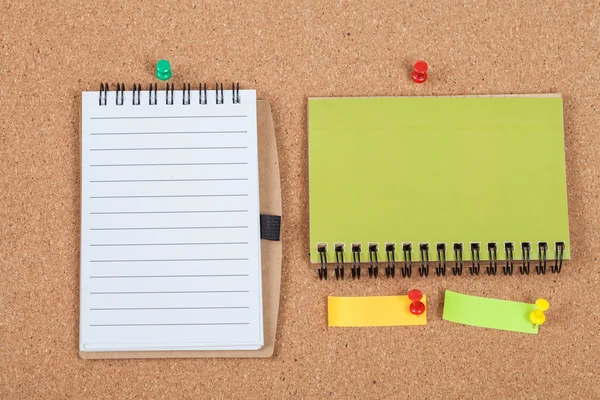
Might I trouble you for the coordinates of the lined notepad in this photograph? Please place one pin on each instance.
(170, 244)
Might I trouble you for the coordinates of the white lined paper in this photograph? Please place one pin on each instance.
(170, 248)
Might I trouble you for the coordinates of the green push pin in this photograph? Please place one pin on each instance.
(163, 70)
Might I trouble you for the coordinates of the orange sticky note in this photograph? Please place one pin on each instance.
(373, 311)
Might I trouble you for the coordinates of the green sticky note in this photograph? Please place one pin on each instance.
(437, 170)
(488, 313)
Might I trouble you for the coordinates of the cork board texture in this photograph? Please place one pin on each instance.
(288, 51)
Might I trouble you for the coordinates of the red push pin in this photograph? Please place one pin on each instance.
(416, 307)
(419, 74)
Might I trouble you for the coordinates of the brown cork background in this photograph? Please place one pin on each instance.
(288, 51)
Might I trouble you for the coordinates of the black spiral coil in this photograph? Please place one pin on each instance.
(150, 91)
(186, 91)
(137, 90)
(475, 259)
(509, 257)
(407, 267)
(221, 99)
(440, 262)
(457, 269)
(323, 260)
(235, 93)
(170, 90)
(440, 269)
(373, 261)
(543, 250)
(103, 94)
(492, 268)
(559, 248)
(424, 268)
(526, 250)
(186, 100)
(356, 248)
(339, 261)
(390, 269)
(120, 98)
(202, 95)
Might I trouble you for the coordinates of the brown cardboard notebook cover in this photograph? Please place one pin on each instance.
(271, 254)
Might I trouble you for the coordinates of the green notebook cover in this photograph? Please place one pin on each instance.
(437, 170)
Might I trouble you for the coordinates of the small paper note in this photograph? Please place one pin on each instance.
(373, 311)
(488, 313)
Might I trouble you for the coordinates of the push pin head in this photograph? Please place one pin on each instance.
(419, 74)
(542, 304)
(416, 306)
(537, 317)
(163, 70)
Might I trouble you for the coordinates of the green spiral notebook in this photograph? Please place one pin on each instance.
(452, 182)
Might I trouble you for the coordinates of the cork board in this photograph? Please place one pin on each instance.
(289, 51)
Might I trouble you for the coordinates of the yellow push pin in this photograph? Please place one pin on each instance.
(537, 317)
(542, 304)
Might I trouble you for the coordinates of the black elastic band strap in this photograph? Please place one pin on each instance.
(270, 227)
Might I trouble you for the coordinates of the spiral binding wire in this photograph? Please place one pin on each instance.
(541, 266)
(474, 264)
(509, 263)
(103, 94)
(235, 93)
(120, 94)
(170, 88)
(150, 95)
(526, 250)
(202, 91)
(492, 268)
(457, 269)
(220, 100)
(323, 259)
(356, 248)
(559, 248)
(476, 259)
(373, 261)
(137, 90)
(424, 268)
(407, 268)
(186, 100)
(390, 269)
(169, 94)
(339, 261)
(440, 269)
